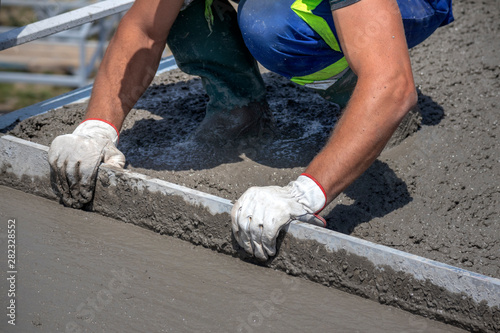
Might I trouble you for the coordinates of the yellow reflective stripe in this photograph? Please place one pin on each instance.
(304, 8)
(323, 74)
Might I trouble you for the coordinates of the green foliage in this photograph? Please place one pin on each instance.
(14, 16)
(16, 96)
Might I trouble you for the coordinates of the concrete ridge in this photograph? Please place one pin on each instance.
(119, 193)
(479, 287)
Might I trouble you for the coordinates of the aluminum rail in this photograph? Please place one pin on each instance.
(62, 22)
(38, 3)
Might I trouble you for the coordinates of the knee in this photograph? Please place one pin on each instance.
(281, 40)
(262, 32)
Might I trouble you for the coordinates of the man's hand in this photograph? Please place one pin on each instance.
(74, 160)
(261, 212)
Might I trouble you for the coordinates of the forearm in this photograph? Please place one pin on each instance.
(131, 59)
(371, 117)
(126, 71)
(373, 41)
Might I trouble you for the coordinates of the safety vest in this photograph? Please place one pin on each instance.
(304, 9)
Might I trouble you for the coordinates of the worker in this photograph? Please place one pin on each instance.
(353, 52)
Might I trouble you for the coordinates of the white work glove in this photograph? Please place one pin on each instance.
(261, 212)
(75, 158)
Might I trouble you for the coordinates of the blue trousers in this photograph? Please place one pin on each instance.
(286, 44)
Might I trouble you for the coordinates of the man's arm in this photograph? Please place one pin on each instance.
(126, 71)
(372, 37)
(131, 59)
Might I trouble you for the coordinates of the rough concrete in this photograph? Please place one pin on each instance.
(23, 169)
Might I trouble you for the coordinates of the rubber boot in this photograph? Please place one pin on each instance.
(216, 52)
(340, 92)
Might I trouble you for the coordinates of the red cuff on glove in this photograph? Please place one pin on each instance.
(319, 185)
(105, 121)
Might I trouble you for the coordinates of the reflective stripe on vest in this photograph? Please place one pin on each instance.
(304, 9)
(209, 16)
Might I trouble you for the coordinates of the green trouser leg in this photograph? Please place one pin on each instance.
(340, 92)
(228, 71)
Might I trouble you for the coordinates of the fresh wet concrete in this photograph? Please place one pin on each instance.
(79, 271)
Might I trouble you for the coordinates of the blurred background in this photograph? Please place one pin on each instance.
(48, 67)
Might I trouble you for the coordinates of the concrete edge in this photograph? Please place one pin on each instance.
(214, 204)
(24, 165)
(454, 279)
